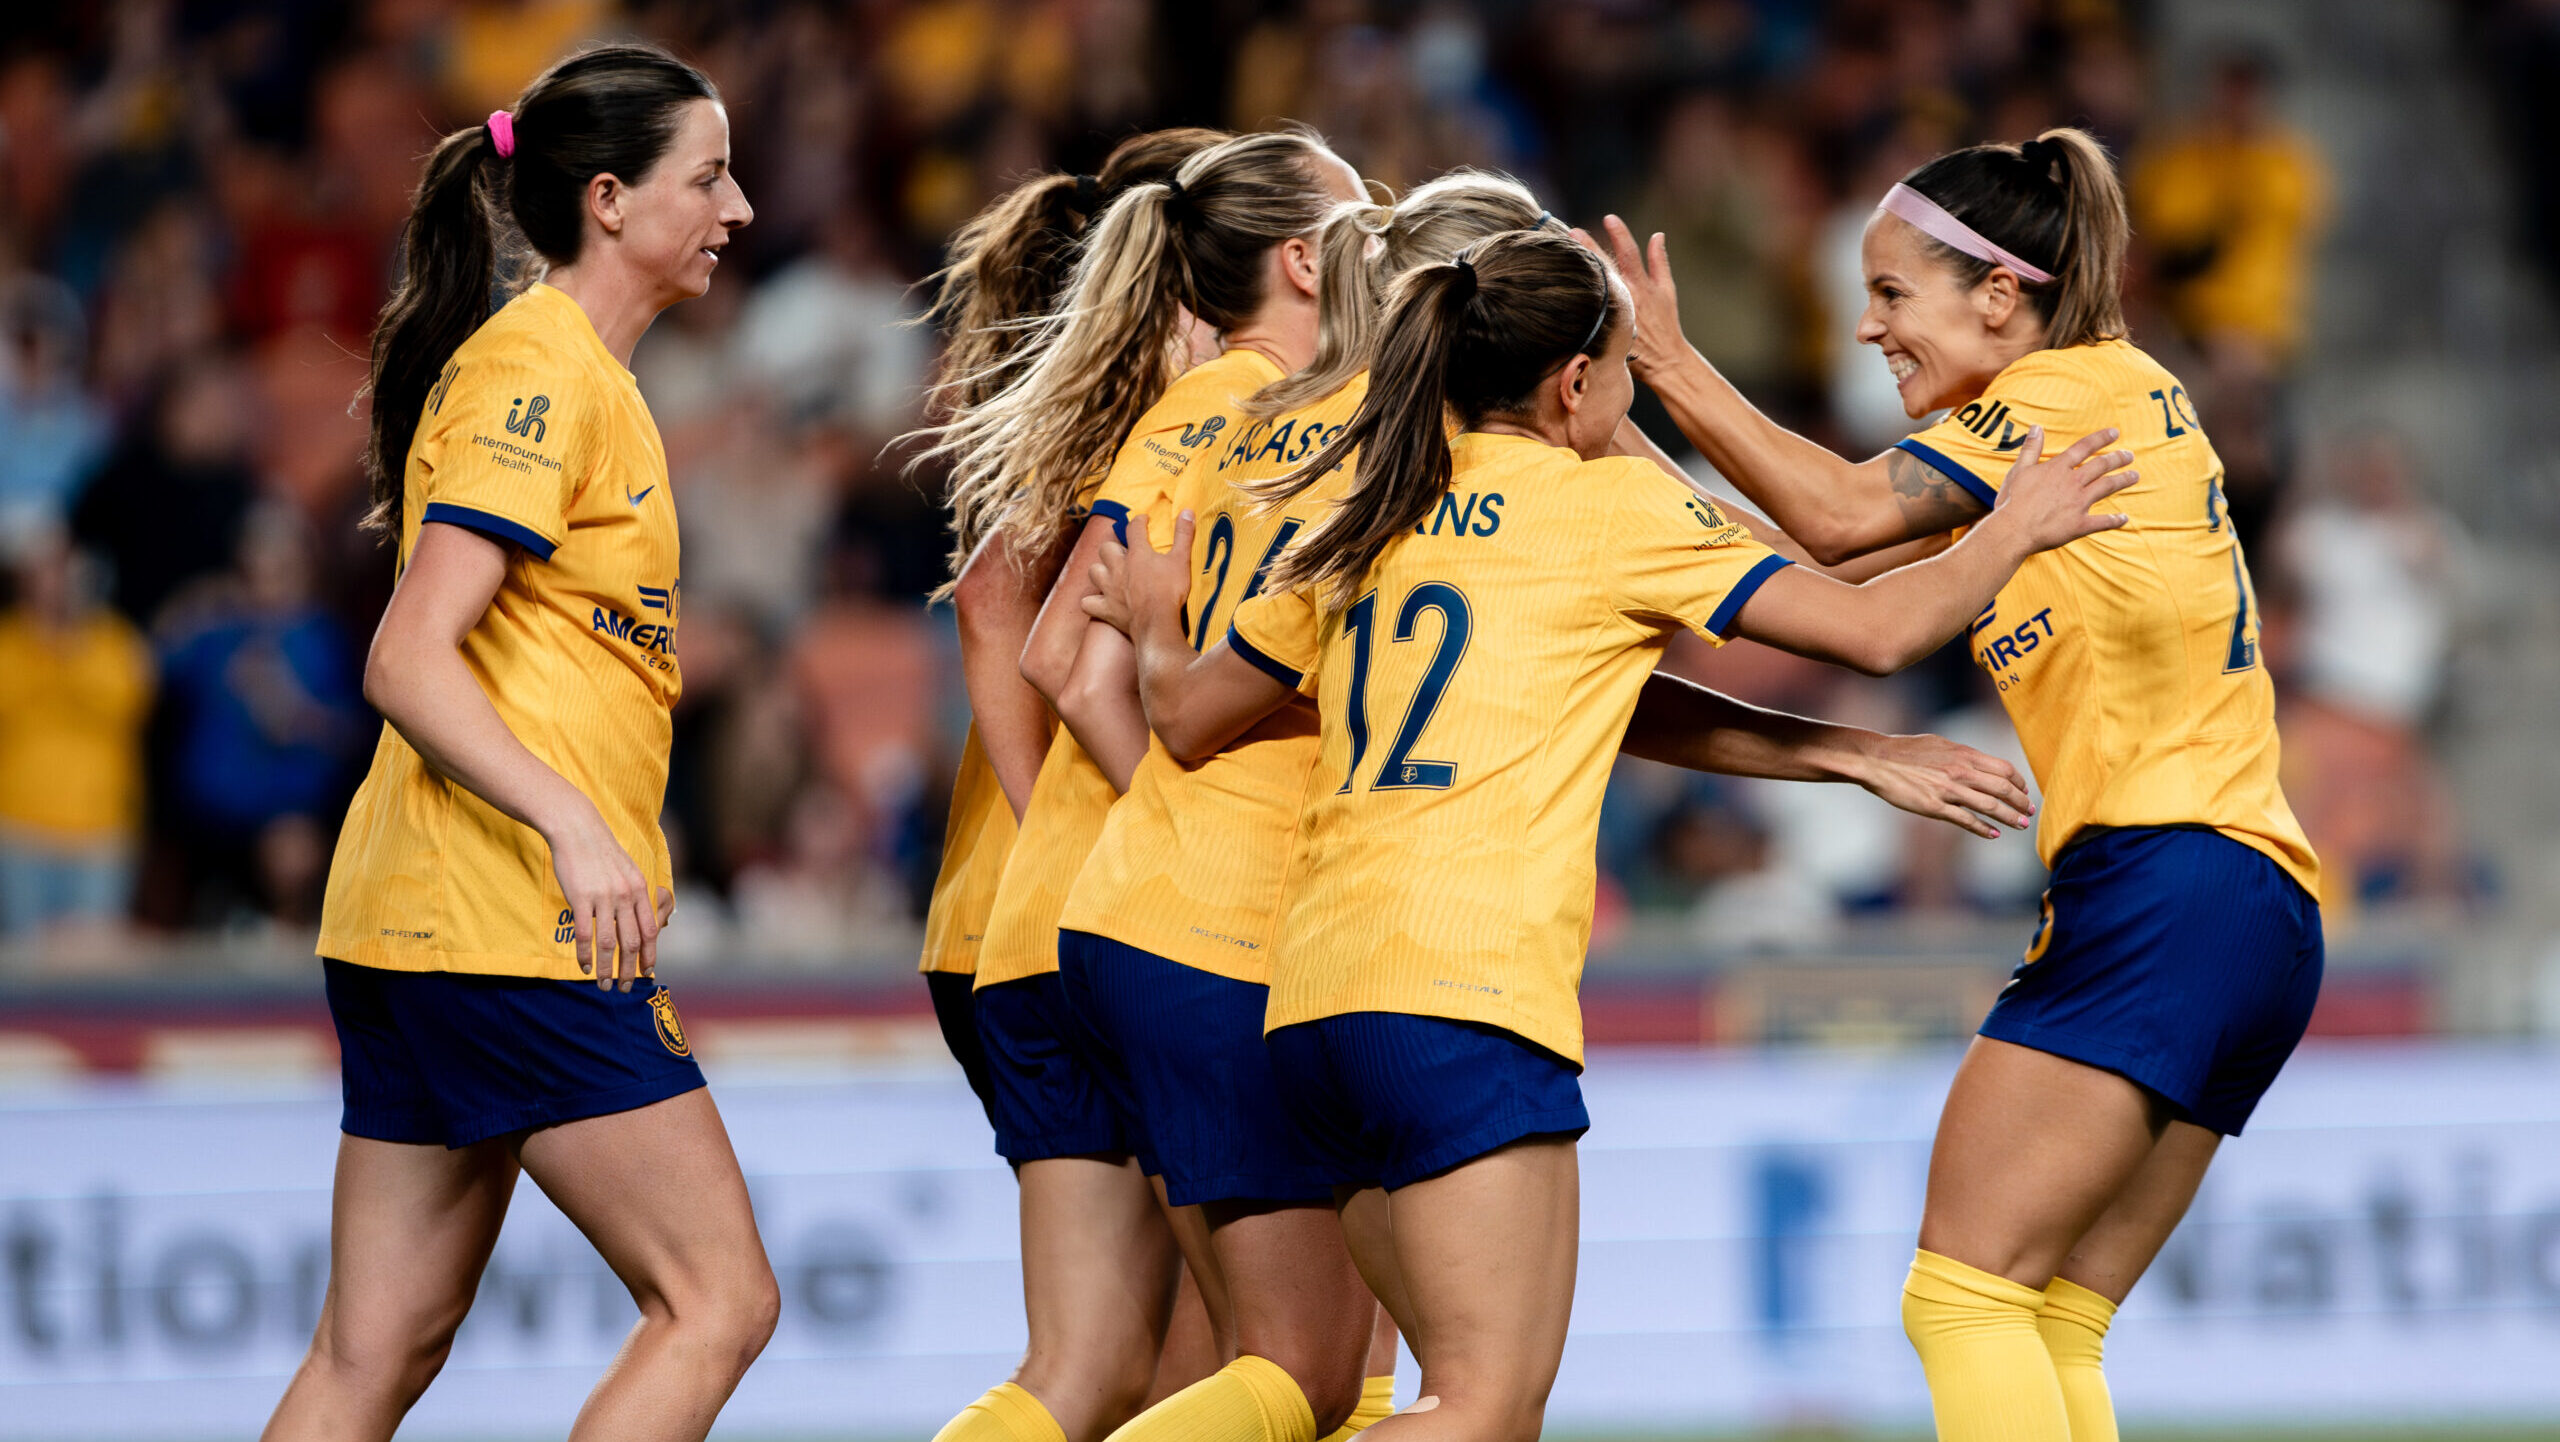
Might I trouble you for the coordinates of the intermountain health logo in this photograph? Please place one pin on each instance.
(528, 423)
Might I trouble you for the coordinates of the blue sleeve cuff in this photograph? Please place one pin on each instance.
(494, 527)
(1973, 484)
(1255, 657)
(1118, 515)
(1731, 606)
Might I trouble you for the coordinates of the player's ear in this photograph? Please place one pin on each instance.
(1573, 383)
(1997, 297)
(604, 202)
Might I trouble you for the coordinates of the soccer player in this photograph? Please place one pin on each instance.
(1168, 933)
(1096, 422)
(1475, 618)
(2180, 948)
(505, 843)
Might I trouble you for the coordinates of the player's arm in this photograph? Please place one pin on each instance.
(1084, 668)
(997, 598)
(1898, 618)
(1195, 703)
(1631, 440)
(1837, 508)
(415, 676)
(1681, 723)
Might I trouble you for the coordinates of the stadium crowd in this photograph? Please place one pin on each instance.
(198, 202)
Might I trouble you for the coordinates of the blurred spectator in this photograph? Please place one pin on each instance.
(51, 433)
(169, 506)
(827, 339)
(1723, 200)
(71, 716)
(266, 717)
(2231, 208)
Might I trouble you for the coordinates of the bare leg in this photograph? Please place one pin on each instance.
(2031, 1151)
(1486, 1255)
(1299, 1301)
(1196, 1342)
(657, 1189)
(1370, 1234)
(2114, 1253)
(1099, 1272)
(410, 1229)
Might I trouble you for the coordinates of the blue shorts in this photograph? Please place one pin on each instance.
(1182, 1049)
(1043, 1094)
(955, 1011)
(1386, 1099)
(2176, 958)
(446, 1058)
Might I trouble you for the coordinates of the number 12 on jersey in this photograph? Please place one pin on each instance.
(1401, 770)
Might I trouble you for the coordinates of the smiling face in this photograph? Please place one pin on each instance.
(675, 221)
(1943, 340)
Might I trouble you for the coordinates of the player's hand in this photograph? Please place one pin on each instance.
(1136, 582)
(1934, 777)
(1647, 273)
(608, 898)
(2048, 497)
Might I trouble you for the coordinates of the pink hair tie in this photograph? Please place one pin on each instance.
(502, 133)
(1933, 221)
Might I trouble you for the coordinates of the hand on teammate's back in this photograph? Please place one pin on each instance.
(2048, 497)
(1136, 581)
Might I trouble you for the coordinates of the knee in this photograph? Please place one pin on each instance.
(394, 1359)
(735, 1315)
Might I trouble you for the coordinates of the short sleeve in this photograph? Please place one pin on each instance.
(1678, 557)
(1975, 444)
(1281, 634)
(1189, 421)
(503, 445)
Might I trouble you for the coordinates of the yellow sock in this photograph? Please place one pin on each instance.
(1990, 1378)
(1005, 1414)
(1377, 1404)
(2073, 1322)
(1251, 1399)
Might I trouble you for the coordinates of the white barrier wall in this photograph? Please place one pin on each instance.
(2384, 1244)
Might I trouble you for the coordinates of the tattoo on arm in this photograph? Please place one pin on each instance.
(1931, 502)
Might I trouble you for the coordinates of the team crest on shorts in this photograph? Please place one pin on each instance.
(662, 1007)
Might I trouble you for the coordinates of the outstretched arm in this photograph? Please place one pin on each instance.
(1631, 440)
(1681, 723)
(1838, 508)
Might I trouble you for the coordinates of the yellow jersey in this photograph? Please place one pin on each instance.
(2128, 660)
(1473, 698)
(71, 720)
(1196, 863)
(975, 842)
(1071, 796)
(535, 435)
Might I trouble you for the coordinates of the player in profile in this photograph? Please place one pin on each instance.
(505, 843)
(1423, 1022)
(1005, 270)
(1096, 422)
(2179, 953)
(1167, 936)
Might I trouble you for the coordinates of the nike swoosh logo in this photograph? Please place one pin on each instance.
(636, 500)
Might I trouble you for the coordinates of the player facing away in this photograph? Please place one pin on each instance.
(2179, 953)
(1476, 619)
(505, 843)
(1095, 425)
(1168, 933)
(1006, 269)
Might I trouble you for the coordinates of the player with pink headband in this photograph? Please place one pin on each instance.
(2179, 953)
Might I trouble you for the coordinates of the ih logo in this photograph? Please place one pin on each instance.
(662, 1005)
(528, 422)
(1201, 433)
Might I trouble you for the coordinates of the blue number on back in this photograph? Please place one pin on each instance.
(1357, 624)
(2243, 652)
(1221, 552)
(1399, 770)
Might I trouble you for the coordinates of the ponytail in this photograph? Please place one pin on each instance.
(449, 254)
(1464, 339)
(2055, 202)
(611, 110)
(1089, 370)
(1363, 247)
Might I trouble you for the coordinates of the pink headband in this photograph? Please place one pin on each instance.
(502, 133)
(1934, 221)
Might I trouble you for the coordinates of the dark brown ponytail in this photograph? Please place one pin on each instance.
(612, 110)
(1467, 339)
(2055, 202)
